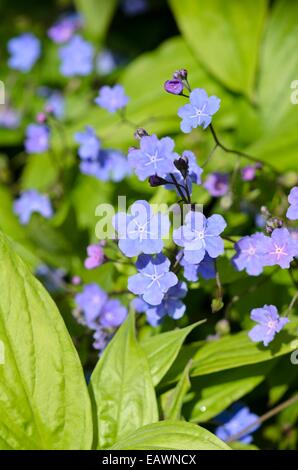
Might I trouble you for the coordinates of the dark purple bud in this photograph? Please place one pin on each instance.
(180, 74)
(156, 180)
(140, 132)
(273, 223)
(174, 86)
(182, 165)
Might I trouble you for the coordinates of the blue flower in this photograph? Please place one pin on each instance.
(206, 268)
(52, 279)
(269, 323)
(91, 301)
(200, 235)
(235, 422)
(251, 253)
(112, 98)
(76, 57)
(112, 314)
(89, 143)
(24, 51)
(32, 201)
(292, 212)
(37, 138)
(65, 27)
(9, 118)
(199, 111)
(217, 184)
(280, 248)
(106, 62)
(109, 165)
(153, 280)
(55, 104)
(155, 157)
(171, 305)
(141, 231)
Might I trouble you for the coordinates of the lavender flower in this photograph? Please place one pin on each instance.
(32, 201)
(154, 157)
(112, 314)
(65, 27)
(280, 248)
(171, 305)
(106, 62)
(192, 272)
(141, 231)
(89, 144)
(112, 98)
(91, 301)
(109, 165)
(101, 339)
(236, 422)
(153, 280)
(200, 235)
(199, 111)
(37, 138)
(9, 118)
(24, 51)
(175, 87)
(55, 104)
(292, 212)
(251, 252)
(95, 256)
(217, 184)
(269, 323)
(248, 173)
(76, 57)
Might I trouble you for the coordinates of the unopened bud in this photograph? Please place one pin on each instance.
(156, 180)
(180, 74)
(41, 118)
(139, 133)
(174, 86)
(182, 165)
(273, 223)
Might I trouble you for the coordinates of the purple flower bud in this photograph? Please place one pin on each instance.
(174, 86)
(248, 173)
(41, 118)
(76, 280)
(140, 132)
(156, 180)
(180, 74)
(273, 223)
(182, 165)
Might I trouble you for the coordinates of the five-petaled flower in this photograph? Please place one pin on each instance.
(251, 252)
(154, 278)
(89, 143)
(76, 57)
(281, 248)
(95, 256)
(269, 323)
(112, 98)
(37, 138)
(192, 272)
(200, 235)
(235, 421)
(24, 51)
(31, 201)
(142, 230)
(155, 157)
(199, 111)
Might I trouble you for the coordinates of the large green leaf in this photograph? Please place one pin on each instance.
(214, 393)
(171, 435)
(225, 37)
(122, 389)
(97, 16)
(238, 350)
(44, 402)
(173, 400)
(162, 350)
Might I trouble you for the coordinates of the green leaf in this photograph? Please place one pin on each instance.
(162, 350)
(238, 350)
(97, 16)
(122, 389)
(216, 392)
(171, 435)
(174, 398)
(44, 402)
(225, 37)
(281, 378)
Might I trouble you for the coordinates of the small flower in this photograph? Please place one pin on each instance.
(248, 173)
(32, 201)
(76, 280)
(217, 184)
(101, 339)
(9, 118)
(109, 165)
(292, 212)
(269, 323)
(251, 252)
(174, 86)
(192, 272)
(106, 62)
(235, 422)
(171, 305)
(55, 104)
(141, 231)
(91, 301)
(89, 143)
(76, 57)
(65, 27)
(24, 51)
(200, 235)
(112, 314)
(199, 111)
(112, 98)
(280, 248)
(155, 157)
(37, 138)
(154, 278)
(95, 256)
